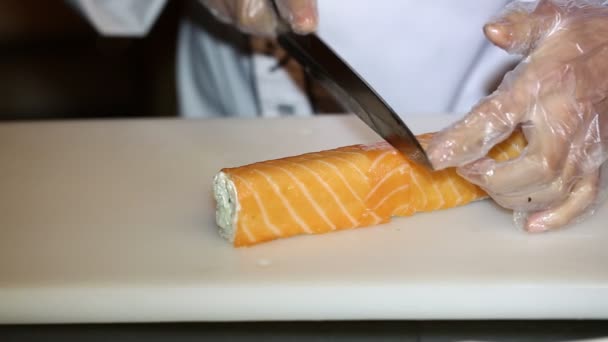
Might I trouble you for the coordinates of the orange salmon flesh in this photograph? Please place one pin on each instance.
(346, 188)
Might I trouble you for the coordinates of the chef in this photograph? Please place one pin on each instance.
(423, 57)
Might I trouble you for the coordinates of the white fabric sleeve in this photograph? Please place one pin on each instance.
(128, 18)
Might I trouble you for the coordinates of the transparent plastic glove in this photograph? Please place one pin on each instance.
(558, 97)
(258, 16)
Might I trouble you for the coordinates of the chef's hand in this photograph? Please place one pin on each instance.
(258, 16)
(558, 95)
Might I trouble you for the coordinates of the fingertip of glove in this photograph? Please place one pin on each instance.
(305, 21)
(530, 223)
(499, 34)
(439, 156)
(537, 225)
(305, 25)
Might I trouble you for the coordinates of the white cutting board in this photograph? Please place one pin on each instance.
(113, 221)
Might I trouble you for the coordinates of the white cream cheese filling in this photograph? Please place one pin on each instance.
(227, 205)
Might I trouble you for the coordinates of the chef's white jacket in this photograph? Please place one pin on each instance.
(423, 57)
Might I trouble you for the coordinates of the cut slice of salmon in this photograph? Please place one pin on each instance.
(346, 188)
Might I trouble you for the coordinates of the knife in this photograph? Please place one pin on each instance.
(350, 90)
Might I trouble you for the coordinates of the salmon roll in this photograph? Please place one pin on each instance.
(345, 188)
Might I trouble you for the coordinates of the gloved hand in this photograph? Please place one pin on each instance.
(558, 95)
(258, 16)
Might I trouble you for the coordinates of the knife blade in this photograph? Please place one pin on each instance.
(351, 91)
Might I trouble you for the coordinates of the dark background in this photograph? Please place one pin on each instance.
(53, 64)
(495, 331)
